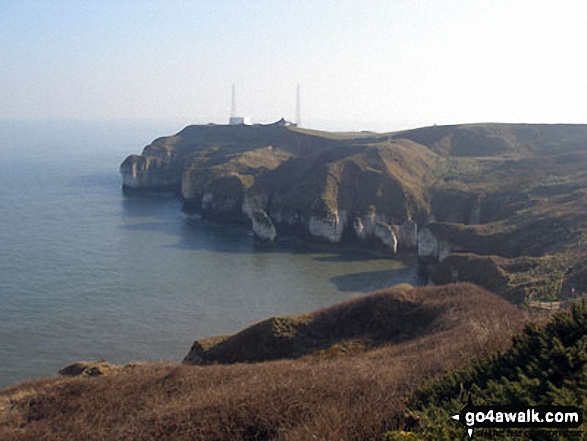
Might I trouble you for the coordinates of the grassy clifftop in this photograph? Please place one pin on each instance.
(495, 139)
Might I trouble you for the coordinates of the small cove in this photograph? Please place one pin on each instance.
(88, 273)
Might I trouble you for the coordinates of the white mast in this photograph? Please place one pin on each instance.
(233, 108)
(298, 107)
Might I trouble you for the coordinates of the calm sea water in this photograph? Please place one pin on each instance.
(87, 273)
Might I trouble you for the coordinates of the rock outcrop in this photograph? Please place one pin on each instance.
(329, 227)
(149, 173)
(96, 369)
(373, 228)
(407, 234)
(263, 228)
(384, 232)
(432, 248)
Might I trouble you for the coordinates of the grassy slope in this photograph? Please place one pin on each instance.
(513, 190)
(329, 395)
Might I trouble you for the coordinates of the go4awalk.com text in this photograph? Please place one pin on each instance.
(509, 417)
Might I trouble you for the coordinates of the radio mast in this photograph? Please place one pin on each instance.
(237, 120)
(298, 107)
(233, 108)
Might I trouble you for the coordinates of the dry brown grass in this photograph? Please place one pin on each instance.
(352, 397)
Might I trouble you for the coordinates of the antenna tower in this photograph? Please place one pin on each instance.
(233, 108)
(298, 107)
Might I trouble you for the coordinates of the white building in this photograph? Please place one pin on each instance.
(239, 120)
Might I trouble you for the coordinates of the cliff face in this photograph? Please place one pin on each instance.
(490, 189)
(149, 173)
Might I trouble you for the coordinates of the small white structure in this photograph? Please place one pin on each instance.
(239, 120)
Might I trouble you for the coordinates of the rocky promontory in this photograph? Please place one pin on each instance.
(282, 180)
(505, 190)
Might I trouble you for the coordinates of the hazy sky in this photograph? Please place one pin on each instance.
(380, 65)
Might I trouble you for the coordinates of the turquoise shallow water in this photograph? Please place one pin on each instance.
(87, 273)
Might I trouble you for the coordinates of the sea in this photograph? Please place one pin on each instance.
(88, 273)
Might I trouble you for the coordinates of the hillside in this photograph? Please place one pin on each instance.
(394, 316)
(350, 381)
(505, 190)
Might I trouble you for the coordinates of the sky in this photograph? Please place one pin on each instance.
(361, 65)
